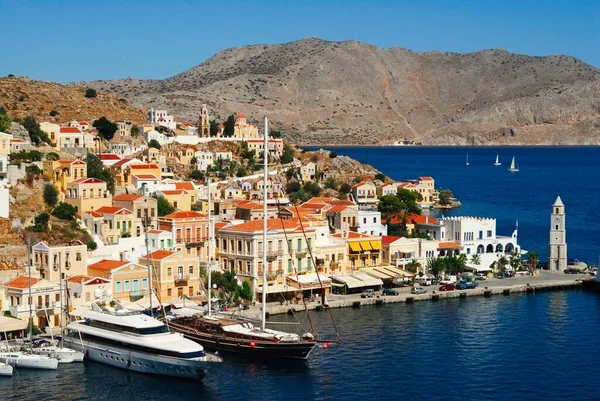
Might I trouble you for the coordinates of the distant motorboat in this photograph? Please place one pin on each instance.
(514, 167)
(497, 162)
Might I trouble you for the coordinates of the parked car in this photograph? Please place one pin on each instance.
(466, 285)
(480, 276)
(367, 294)
(389, 291)
(448, 287)
(418, 290)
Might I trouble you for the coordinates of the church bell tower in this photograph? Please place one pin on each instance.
(557, 260)
(204, 126)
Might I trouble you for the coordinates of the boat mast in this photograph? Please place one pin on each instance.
(30, 298)
(264, 255)
(146, 223)
(210, 248)
(61, 302)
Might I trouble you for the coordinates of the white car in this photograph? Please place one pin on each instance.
(480, 276)
(418, 290)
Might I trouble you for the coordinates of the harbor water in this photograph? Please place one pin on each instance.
(519, 347)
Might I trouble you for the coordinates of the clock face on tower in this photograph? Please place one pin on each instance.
(556, 220)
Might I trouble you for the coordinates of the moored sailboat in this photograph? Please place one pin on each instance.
(514, 167)
(5, 370)
(238, 335)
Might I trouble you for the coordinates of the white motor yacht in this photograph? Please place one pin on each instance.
(30, 361)
(5, 370)
(131, 340)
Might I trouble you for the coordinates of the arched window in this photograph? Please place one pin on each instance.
(490, 249)
(499, 248)
(480, 249)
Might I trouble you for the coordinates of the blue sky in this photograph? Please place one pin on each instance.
(68, 41)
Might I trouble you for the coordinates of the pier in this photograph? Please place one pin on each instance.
(546, 281)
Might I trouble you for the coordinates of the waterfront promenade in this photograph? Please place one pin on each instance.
(545, 281)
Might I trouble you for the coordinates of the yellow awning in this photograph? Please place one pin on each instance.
(376, 245)
(354, 246)
(365, 245)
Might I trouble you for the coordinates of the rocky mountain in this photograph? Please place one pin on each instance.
(322, 92)
(23, 96)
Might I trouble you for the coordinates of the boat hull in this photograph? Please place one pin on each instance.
(248, 347)
(63, 355)
(142, 362)
(30, 363)
(6, 370)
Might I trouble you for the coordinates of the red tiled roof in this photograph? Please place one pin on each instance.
(93, 213)
(87, 180)
(426, 178)
(159, 254)
(449, 245)
(184, 215)
(17, 140)
(172, 191)
(185, 185)
(272, 224)
(83, 123)
(113, 210)
(240, 116)
(108, 156)
(79, 279)
(388, 239)
(126, 197)
(220, 224)
(143, 166)
(70, 130)
(145, 177)
(108, 264)
(250, 206)
(21, 282)
(157, 231)
(420, 219)
(122, 162)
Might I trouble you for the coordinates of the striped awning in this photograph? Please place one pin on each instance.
(366, 246)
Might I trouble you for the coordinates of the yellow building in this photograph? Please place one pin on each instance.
(5, 143)
(175, 273)
(363, 250)
(117, 223)
(61, 172)
(179, 198)
(59, 261)
(45, 300)
(87, 194)
(129, 280)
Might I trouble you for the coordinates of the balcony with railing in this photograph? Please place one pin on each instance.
(181, 280)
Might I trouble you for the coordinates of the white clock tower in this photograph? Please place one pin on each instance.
(558, 237)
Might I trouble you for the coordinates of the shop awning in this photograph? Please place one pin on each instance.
(376, 245)
(348, 281)
(278, 288)
(398, 272)
(365, 245)
(478, 268)
(8, 324)
(368, 281)
(308, 281)
(376, 273)
(354, 246)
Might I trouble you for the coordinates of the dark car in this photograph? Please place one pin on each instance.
(389, 291)
(448, 287)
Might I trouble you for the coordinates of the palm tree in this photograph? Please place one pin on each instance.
(412, 267)
(515, 261)
(502, 262)
(476, 259)
(533, 261)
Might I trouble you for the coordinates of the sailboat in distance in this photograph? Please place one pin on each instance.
(514, 167)
(497, 162)
(467, 163)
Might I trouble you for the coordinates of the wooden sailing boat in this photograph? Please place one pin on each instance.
(514, 167)
(497, 162)
(238, 335)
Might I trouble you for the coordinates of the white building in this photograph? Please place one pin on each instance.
(155, 135)
(161, 118)
(369, 222)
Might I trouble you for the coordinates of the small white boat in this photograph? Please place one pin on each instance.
(467, 163)
(5, 370)
(497, 162)
(30, 361)
(63, 354)
(514, 167)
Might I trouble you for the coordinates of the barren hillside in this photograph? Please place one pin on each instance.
(348, 92)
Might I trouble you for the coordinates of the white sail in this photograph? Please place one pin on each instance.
(497, 162)
(467, 163)
(513, 165)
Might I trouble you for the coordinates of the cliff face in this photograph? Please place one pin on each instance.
(323, 92)
(22, 96)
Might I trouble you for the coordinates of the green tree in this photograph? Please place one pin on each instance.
(214, 128)
(312, 188)
(92, 246)
(380, 177)
(345, 188)
(276, 134)
(106, 128)
(135, 130)
(40, 223)
(476, 259)
(246, 292)
(53, 113)
(515, 261)
(333, 154)
(445, 196)
(5, 121)
(36, 135)
(501, 265)
(90, 93)
(196, 175)
(194, 161)
(33, 169)
(533, 261)
(331, 183)
(436, 266)
(163, 205)
(287, 156)
(413, 266)
(241, 172)
(154, 144)
(50, 194)
(52, 156)
(229, 129)
(64, 211)
(95, 169)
